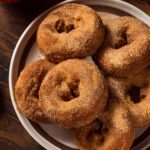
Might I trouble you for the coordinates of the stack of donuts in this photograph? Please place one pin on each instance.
(101, 100)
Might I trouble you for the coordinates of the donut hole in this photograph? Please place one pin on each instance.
(122, 40)
(71, 91)
(61, 26)
(74, 89)
(36, 86)
(135, 94)
(97, 134)
(36, 92)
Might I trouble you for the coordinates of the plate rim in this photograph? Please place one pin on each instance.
(117, 4)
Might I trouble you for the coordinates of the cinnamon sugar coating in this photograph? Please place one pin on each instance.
(112, 130)
(70, 31)
(73, 93)
(126, 47)
(134, 93)
(27, 88)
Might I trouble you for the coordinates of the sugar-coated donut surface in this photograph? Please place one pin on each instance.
(73, 93)
(111, 131)
(126, 47)
(134, 93)
(101, 101)
(27, 87)
(70, 31)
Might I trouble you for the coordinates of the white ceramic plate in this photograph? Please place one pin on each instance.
(49, 136)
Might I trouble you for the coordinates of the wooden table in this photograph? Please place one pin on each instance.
(13, 20)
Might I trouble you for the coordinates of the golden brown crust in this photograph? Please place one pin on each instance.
(134, 93)
(70, 31)
(73, 93)
(117, 134)
(126, 47)
(26, 90)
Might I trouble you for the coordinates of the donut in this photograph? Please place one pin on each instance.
(27, 87)
(112, 130)
(70, 31)
(73, 93)
(126, 47)
(134, 93)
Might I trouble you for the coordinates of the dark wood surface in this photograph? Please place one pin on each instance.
(13, 20)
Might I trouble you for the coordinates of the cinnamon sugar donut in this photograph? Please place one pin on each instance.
(126, 47)
(111, 131)
(70, 31)
(27, 87)
(134, 92)
(73, 93)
